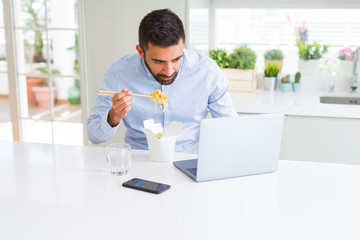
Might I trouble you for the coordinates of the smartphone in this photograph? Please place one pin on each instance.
(146, 185)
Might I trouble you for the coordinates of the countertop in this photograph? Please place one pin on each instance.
(63, 192)
(304, 103)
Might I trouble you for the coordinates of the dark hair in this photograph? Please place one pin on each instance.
(161, 28)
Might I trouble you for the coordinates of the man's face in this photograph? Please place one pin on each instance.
(163, 63)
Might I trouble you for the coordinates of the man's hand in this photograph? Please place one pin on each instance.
(121, 105)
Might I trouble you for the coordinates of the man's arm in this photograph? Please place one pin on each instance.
(121, 105)
(220, 100)
(107, 114)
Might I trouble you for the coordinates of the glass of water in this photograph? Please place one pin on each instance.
(118, 158)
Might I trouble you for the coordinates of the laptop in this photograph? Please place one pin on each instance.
(236, 146)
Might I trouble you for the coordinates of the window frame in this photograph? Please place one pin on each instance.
(13, 73)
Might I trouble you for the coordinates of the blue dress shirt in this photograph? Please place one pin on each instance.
(199, 86)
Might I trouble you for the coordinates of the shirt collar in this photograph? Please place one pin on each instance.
(148, 73)
(182, 63)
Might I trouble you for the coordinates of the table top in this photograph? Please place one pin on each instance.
(64, 192)
(304, 103)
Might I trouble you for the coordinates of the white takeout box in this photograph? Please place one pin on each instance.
(161, 150)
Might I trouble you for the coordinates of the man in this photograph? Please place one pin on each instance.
(193, 83)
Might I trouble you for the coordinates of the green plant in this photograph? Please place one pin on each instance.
(311, 50)
(271, 70)
(242, 58)
(297, 77)
(75, 48)
(44, 70)
(285, 79)
(220, 57)
(274, 54)
(34, 18)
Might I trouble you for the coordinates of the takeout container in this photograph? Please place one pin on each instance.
(161, 150)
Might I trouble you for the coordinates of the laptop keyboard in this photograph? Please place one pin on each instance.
(192, 170)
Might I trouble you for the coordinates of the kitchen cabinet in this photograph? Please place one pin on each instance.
(313, 131)
(321, 139)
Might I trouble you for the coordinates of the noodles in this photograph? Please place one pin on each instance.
(160, 98)
(158, 135)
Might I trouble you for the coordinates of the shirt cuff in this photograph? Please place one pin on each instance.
(108, 130)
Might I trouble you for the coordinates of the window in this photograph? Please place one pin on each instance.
(263, 29)
(5, 120)
(47, 70)
(338, 27)
(199, 29)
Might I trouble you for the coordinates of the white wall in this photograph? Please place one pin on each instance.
(111, 31)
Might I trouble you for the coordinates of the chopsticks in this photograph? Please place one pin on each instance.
(111, 93)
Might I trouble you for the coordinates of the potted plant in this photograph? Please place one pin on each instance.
(285, 83)
(274, 55)
(310, 55)
(238, 67)
(34, 45)
(346, 56)
(30, 83)
(296, 85)
(220, 57)
(42, 90)
(35, 20)
(270, 76)
(242, 58)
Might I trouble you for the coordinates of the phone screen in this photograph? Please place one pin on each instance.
(146, 185)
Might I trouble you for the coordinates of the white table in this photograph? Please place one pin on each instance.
(62, 192)
(304, 103)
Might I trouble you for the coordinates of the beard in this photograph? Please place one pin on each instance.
(160, 77)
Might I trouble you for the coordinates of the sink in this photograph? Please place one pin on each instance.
(340, 100)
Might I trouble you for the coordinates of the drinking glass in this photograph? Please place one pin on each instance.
(118, 158)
